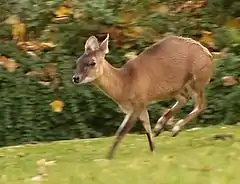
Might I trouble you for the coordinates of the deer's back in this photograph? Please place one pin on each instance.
(164, 68)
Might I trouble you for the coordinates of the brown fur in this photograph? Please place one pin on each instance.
(174, 67)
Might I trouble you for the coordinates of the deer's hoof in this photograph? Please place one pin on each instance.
(109, 156)
(157, 132)
(175, 131)
(159, 128)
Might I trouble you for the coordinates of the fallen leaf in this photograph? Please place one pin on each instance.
(50, 70)
(78, 14)
(35, 46)
(35, 72)
(128, 17)
(44, 83)
(184, 6)
(216, 54)
(37, 178)
(63, 11)
(41, 167)
(233, 22)
(18, 28)
(229, 81)
(207, 37)
(160, 8)
(41, 162)
(61, 20)
(3, 59)
(191, 5)
(47, 75)
(133, 32)
(57, 106)
(222, 53)
(127, 45)
(50, 163)
(47, 45)
(29, 45)
(18, 32)
(21, 154)
(9, 64)
(114, 32)
(31, 53)
(13, 19)
(193, 129)
(131, 55)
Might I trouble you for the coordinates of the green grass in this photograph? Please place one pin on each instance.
(192, 157)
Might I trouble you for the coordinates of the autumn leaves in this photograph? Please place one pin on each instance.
(46, 75)
(131, 24)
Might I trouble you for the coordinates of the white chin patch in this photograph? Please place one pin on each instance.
(87, 80)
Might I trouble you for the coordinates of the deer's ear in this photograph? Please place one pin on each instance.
(91, 44)
(104, 45)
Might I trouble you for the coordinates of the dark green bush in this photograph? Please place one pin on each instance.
(24, 109)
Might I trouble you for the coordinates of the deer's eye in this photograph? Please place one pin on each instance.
(91, 64)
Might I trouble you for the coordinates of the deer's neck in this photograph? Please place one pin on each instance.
(111, 82)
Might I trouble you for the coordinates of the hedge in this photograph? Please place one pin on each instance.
(25, 110)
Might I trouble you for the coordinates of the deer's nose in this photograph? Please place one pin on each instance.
(75, 79)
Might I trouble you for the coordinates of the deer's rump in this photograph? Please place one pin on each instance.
(163, 69)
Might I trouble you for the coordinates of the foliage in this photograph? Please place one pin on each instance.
(40, 41)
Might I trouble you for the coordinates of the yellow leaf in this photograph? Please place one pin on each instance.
(229, 81)
(233, 22)
(133, 32)
(29, 45)
(78, 14)
(35, 46)
(216, 54)
(63, 11)
(114, 32)
(222, 53)
(9, 64)
(128, 17)
(160, 8)
(47, 45)
(127, 45)
(37, 178)
(3, 59)
(41, 167)
(61, 19)
(191, 5)
(207, 38)
(18, 28)
(18, 32)
(13, 19)
(131, 55)
(57, 106)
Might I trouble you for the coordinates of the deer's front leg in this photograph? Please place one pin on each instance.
(124, 128)
(144, 118)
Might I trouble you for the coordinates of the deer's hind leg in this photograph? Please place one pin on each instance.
(182, 98)
(198, 97)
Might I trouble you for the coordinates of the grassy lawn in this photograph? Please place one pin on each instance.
(193, 157)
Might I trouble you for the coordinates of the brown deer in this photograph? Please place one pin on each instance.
(175, 67)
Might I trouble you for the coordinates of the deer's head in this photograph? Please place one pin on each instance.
(89, 64)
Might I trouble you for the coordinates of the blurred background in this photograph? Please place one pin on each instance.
(41, 40)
